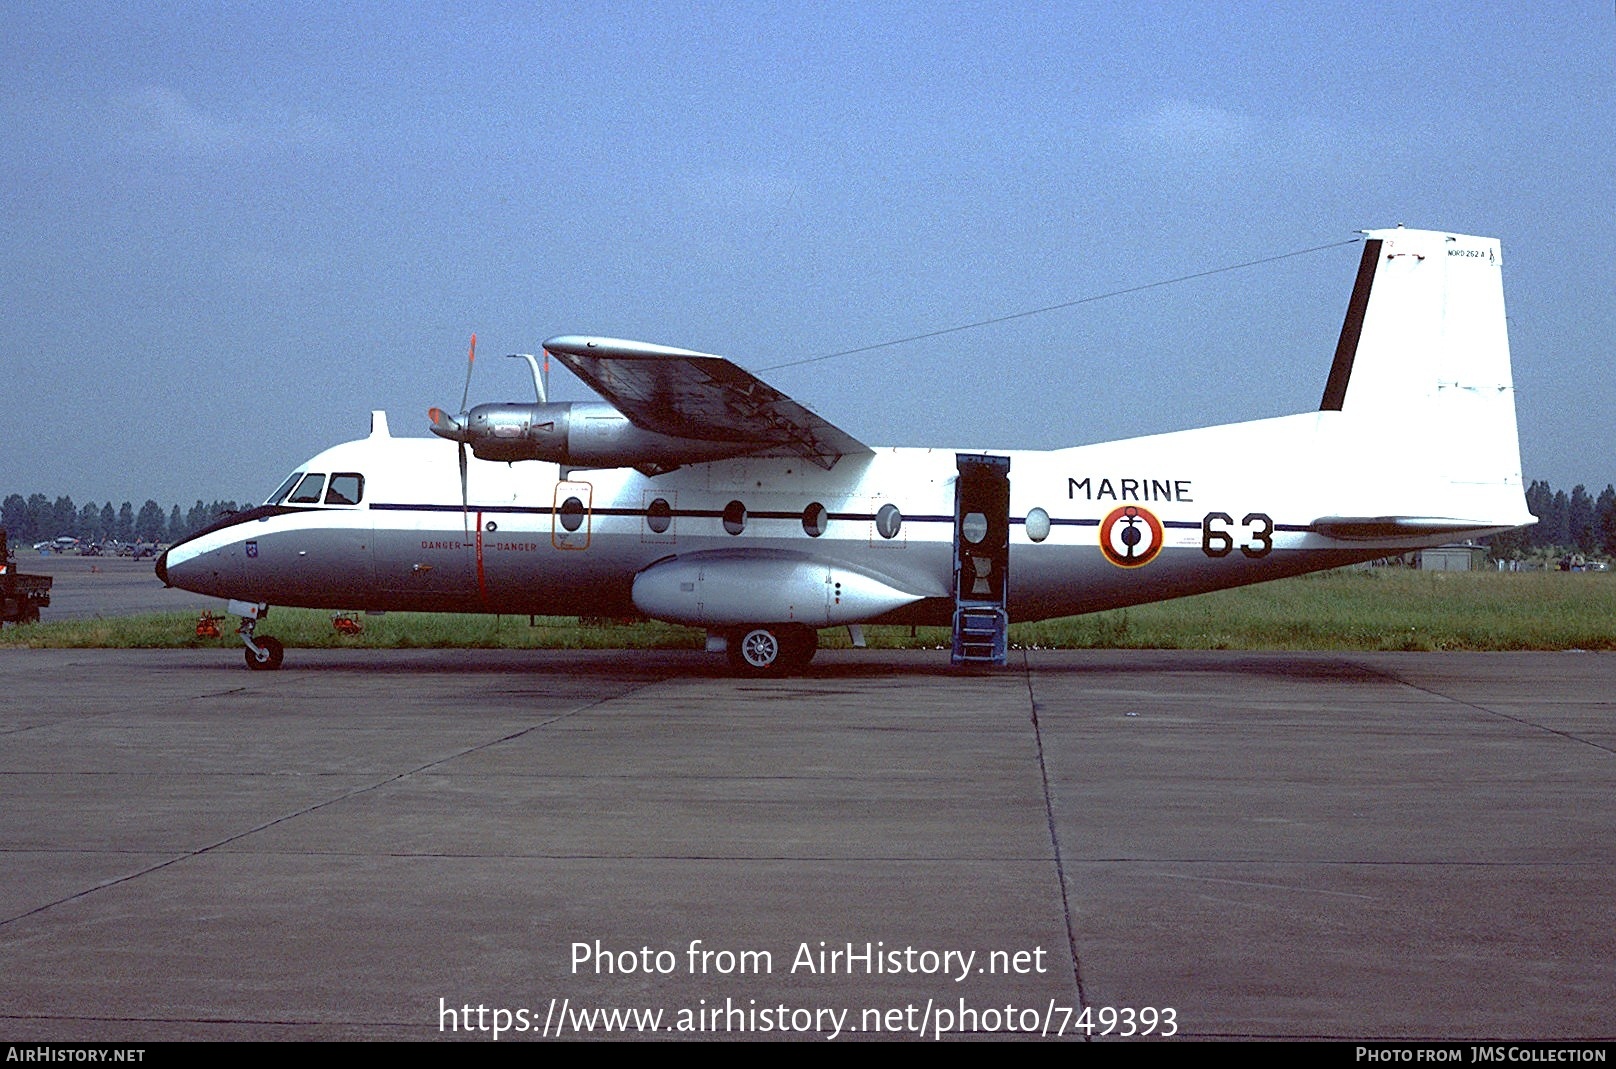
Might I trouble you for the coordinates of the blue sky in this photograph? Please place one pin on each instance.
(231, 230)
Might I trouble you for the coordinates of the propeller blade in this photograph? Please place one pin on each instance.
(465, 501)
(470, 360)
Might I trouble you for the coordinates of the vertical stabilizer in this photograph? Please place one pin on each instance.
(1422, 369)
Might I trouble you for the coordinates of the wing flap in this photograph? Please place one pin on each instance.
(700, 396)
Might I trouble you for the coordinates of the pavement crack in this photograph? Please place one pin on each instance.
(1054, 834)
(1386, 673)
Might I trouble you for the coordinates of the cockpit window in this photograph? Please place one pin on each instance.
(308, 491)
(285, 488)
(347, 488)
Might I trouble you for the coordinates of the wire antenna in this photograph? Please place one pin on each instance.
(1057, 307)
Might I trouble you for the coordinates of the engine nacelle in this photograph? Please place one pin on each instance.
(729, 588)
(586, 434)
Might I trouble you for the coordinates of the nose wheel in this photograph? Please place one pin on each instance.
(264, 654)
(267, 657)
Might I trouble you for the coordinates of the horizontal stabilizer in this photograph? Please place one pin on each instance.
(1371, 528)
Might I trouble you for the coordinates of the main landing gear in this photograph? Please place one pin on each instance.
(771, 649)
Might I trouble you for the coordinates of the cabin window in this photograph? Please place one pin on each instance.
(572, 514)
(888, 521)
(974, 527)
(734, 517)
(659, 516)
(1037, 525)
(308, 491)
(347, 488)
(815, 519)
(285, 488)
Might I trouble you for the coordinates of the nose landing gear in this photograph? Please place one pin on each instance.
(264, 654)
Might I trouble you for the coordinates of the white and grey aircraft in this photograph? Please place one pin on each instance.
(702, 496)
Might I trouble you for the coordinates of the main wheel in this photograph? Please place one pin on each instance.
(772, 650)
(273, 653)
(756, 651)
(800, 645)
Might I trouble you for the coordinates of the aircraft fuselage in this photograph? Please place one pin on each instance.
(530, 541)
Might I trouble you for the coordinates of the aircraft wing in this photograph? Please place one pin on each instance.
(687, 394)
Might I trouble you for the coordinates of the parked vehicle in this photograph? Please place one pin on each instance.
(21, 596)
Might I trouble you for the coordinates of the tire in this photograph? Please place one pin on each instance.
(756, 651)
(274, 654)
(801, 643)
(772, 650)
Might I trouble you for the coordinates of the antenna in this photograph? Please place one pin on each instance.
(538, 380)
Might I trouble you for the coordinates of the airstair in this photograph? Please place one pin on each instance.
(981, 559)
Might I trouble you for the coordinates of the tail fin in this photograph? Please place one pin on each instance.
(1423, 367)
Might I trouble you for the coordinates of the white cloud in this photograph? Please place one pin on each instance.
(163, 120)
(1178, 128)
(1187, 141)
(739, 191)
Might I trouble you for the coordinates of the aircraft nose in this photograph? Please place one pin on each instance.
(162, 567)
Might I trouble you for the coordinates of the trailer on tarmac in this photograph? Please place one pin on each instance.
(21, 596)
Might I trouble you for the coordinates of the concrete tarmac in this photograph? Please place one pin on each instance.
(421, 844)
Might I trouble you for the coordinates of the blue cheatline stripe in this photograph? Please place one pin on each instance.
(545, 510)
(713, 514)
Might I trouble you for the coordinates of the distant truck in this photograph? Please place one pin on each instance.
(21, 596)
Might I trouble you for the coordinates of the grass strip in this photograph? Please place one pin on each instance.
(1375, 609)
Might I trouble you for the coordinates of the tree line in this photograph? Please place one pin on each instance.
(36, 518)
(1570, 523)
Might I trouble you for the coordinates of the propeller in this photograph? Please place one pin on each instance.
(455, 429)
(445, 425)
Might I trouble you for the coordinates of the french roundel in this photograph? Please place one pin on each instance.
(1130, 536)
